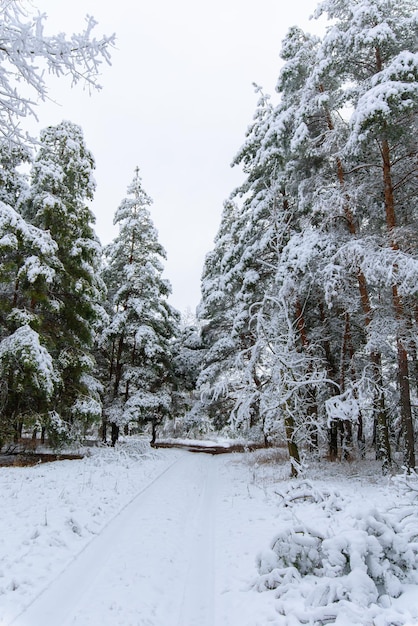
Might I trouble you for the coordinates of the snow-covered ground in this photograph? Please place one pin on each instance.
(139, 537)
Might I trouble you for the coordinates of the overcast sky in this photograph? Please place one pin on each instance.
(176, 102)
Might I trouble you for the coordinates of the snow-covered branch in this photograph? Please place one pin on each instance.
(26, 52)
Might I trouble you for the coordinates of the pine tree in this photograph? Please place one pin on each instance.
(61, 185)
(27, 266)
(28, 376)
(216, 313)
(326, 204)
(372, 47)
(188, 355)
(143, 325)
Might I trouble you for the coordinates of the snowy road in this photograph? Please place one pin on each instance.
(164, 560)
(130, 536)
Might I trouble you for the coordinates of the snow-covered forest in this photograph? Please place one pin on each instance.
(306, 330)
(308, 305)
(304, 342)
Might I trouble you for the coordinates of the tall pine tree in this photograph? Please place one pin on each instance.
(62, 183)
(138, 340)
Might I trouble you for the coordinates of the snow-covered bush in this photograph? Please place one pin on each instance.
(340, 558)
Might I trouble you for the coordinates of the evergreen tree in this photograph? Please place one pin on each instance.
(27, 266)
(28, 262)
(61, 185)
(371, 46)
(310, 281)
(143, 325)
(216, 313)
(317, 180)
(188, 354)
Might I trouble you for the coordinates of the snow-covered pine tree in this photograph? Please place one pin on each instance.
(27, 266)
(235, 279)
(317, 179)
(216, 313)
(62, 183)
(143, 325)
(28, 261)
(188, 354)
(275, 328)
(282, 314)
(372, 47)
(248, 252)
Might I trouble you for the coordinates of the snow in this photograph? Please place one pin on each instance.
(23, 354)
(139, 537)
(32, 269)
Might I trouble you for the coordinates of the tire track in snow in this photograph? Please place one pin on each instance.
(197, 607)
(149, 565)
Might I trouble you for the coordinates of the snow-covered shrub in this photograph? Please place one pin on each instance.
(127, 452)
(136, 448)
(338, 555)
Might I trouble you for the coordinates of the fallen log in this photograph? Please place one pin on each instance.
(209, 449)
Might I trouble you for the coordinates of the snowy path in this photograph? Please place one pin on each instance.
(153, 562)
(171, 539)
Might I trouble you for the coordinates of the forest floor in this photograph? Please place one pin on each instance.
(133, 536)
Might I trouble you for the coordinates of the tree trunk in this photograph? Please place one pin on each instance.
(153, 431)
(346, 431)
(103, 431)
(403, 367)
(332, 370)
(18, 428)
(291, 445)
(312, 409)
(115, 434)
(382, 443)
(406, 413)
(333, 441)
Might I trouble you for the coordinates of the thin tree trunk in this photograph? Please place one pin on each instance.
(103, 429)
(332, 374)
(333, 441)
(403, 366)
(115, 434)
(291, 445)
(406, 412)
(312, 408)
(345, 427)
(360, 431)
(153, 431)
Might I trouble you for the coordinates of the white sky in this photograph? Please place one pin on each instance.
(176, 101)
